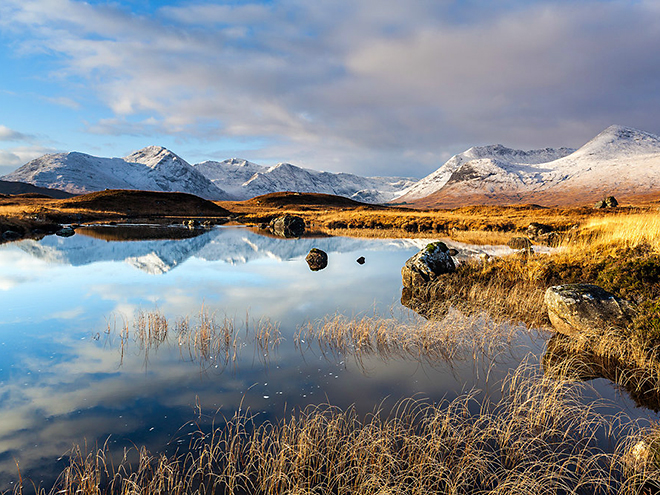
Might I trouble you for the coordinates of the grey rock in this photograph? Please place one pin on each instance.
(317, 259)
(287, 226)
(586, 309)
(536, 229)
(428, 264)
(611, 202)
(65, 232)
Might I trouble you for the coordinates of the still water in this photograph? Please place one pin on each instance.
(68, 375)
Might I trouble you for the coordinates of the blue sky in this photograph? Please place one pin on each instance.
(374, 87)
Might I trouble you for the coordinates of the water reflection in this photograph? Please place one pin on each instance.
(564, 358)
(78, 364)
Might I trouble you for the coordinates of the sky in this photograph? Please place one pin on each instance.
(372, 87)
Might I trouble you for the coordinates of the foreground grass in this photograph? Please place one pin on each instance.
(539, 438)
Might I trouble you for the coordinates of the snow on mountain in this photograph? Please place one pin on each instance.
(245, 180)
(153, 169)
(620, 160)
(157, 169)
(435, 181)
(230, 174)
(287, 177)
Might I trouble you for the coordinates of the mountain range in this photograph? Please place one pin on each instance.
(158, 169)
(619, 161)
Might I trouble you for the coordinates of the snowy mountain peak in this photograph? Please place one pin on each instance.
(620, 140)
(497, 152)
(151, 169)
(620, 161)
(155, 156)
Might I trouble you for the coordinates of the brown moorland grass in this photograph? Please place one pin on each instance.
(478, 224)
(539, 438)
(204, 338)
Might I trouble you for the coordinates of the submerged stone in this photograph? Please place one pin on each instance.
(317, 259)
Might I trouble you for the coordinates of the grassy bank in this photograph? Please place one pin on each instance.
(539, 438)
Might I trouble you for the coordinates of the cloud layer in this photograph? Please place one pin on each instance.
(368, 86)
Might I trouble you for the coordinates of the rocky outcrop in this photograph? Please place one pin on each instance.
(608, 202)
(428, 264)
(317, 259)
(287, 226)
(586, 309)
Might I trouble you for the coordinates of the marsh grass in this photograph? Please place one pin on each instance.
(206, 339)
(540, 438)
(453, 338)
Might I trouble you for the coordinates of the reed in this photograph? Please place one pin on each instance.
(453, 338)
(539, 438)
(204, 338)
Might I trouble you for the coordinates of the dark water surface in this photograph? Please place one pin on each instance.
(69, 376)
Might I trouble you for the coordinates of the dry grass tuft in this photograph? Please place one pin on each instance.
(203, 339)
(454, 337)
(539, 438)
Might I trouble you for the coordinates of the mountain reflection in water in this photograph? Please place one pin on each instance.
(70, 372)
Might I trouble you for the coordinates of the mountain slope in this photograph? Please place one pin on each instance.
(153, 169)
(23, 188)
(621, 161)
(245, 180)
(287, 177)
(435, 181)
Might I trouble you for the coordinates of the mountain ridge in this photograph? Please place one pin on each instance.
(620, 160)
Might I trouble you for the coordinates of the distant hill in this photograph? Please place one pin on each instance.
(23, 188)
(245, 180)
(620, 161)
(143, 203)
(305, 199)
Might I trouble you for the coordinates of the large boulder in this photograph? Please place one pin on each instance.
(287, 226)
(317, 259)
(426, 265)
(586, 309)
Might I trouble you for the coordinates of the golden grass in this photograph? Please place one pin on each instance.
(452, 338)
(539, 438)
(622, 231)
(204, 339)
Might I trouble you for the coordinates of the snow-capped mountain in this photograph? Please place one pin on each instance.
(620, 161)
(435, 181)
(157, 169)
(245, 180)
(153, 169)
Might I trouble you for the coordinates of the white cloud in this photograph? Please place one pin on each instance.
(359, 85)
(7, 134)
